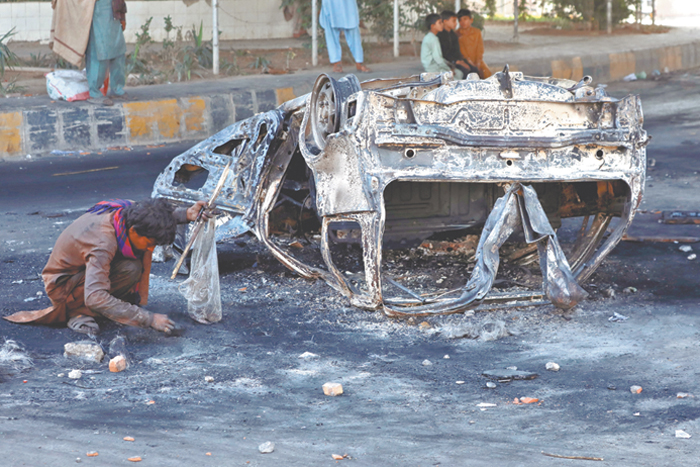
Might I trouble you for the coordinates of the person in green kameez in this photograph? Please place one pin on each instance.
(106, 50)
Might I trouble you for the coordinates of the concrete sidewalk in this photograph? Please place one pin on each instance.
(195, 110)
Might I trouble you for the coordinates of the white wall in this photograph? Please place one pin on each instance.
(238, 19)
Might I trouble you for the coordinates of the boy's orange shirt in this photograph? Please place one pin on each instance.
(471, 45)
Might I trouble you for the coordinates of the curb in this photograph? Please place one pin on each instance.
(79, 127)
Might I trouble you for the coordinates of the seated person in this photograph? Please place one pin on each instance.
(471, 44)
(430, 51)
(100, 265)
(449, 43)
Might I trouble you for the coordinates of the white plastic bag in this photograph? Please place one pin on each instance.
(201, 289)
(70, 85)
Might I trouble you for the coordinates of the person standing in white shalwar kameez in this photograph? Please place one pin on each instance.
(337, 16)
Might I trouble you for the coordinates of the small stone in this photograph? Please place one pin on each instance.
(617, 318)
(61, 375)
(267, 447)
(682, 395)
(78, 460)
(692, 256)
(612, 387)
(459, 382)
(485, 405)
(332, 389)
(636, 414)
(682, 434)
(209, 379)
(629, 290)
(685, 248)
(635, 389)
(491, 385)
(117, 364)
(427, 362)
(84, 349)
(471, 422)
(551, 366)
(308, 355)
(128, 438)
(609, 292)
(446, 357)
(75, 374)
(424, 325)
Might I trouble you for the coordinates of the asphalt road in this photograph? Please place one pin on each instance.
(396, 410)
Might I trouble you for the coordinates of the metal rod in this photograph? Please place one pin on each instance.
(314, 32)
(215, 36)
(396, 28)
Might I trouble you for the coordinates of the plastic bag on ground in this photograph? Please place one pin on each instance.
(201, 289)
(69, 85)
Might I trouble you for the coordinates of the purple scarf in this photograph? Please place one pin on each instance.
(116, 206)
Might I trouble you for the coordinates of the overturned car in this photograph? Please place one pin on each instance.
(390, 163)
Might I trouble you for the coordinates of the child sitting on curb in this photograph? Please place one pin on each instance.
(430, 50)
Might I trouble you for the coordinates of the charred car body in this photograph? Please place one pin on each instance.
(392, 162)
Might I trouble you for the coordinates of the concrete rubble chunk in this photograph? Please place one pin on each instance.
(267, 447)
(552, 366)
(332, 389)
(117, 364)
(507, 374)
(84, 349)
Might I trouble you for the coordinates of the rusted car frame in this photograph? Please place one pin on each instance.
(505, 154)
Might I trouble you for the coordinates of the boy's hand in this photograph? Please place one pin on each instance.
(162, 323)
(193, 211)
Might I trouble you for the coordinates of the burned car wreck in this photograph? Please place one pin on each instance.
(391, 162)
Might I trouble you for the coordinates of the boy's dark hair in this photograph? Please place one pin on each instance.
(431, 19)
(152, 218)
(447, 14)
(464, 12)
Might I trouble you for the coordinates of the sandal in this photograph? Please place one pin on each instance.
(84, 324)
(360, 67)
(337, 67)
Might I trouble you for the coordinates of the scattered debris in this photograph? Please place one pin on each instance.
(134, 459)
(685, 248)
(332, 389)
(487, 330)
(491, 385)
(446, 357)
(338, 457)
(425, 325)
(87, 350)
(506, 375)
(75, 374)
(635, 389)
(308, 355)
(151, 402)
(528, 400)
(514, 368)
(682, 434)
(682, 395)
(128, 438)
(637, 414)
(459, 382)
(92, 454)
(31, 299)
(427, 362)
(117, 364)
(551, 366)
(692, 256)
(617, 318)
(267, 447)
(209, 379)
(583, 458)
(485, 405)
(609, 292)
(612, 387)
(297, 245)
(13, 357)
(629, 290)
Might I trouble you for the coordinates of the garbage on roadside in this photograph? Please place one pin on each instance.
(617, 318)
(332, 389)
(69, 85)
(630, 77)
(267, 447)
(87, 350)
